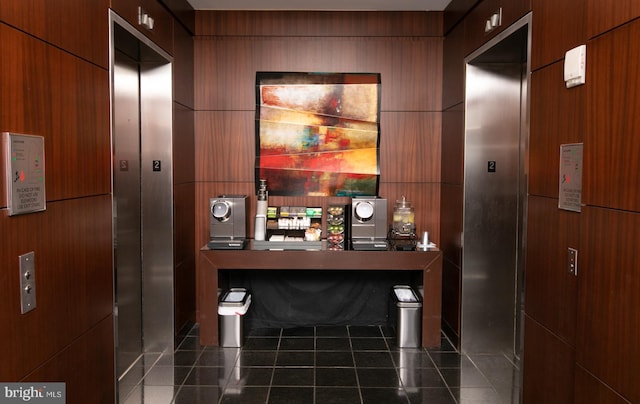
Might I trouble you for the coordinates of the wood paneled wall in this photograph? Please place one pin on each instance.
(183, 184)
(600, 115)
(452, 194)
(57, 85)
(581, 332)
(406, 48)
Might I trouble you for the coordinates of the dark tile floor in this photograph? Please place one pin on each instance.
(319, 365)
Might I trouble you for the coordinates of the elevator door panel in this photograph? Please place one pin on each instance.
(126, 189)
(156, 108)
(491, 208)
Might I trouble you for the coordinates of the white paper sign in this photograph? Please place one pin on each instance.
(570, 193)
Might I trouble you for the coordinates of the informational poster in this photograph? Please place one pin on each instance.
(24, 165)
(570, 193)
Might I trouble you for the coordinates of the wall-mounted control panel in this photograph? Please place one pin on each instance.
(24, 167)
(572, 261)
(27, 282)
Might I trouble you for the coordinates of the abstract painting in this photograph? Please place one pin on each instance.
(318, 134)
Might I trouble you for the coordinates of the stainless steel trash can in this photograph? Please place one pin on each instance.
(232, 306)
(409, 319)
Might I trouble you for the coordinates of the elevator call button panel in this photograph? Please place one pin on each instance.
(24, 167)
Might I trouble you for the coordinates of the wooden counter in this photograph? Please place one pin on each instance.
(213, 261)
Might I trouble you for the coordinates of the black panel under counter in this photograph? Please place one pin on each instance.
(295, 298)
(216, 268)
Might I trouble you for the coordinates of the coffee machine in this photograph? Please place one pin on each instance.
(369, 223)
(228, 222)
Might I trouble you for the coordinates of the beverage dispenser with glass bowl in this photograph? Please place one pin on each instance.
(402, 235)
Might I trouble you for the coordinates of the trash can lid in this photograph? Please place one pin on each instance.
(406, 296)
(234, 297)
(234, 302)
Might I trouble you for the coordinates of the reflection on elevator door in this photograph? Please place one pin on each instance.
(126, 202)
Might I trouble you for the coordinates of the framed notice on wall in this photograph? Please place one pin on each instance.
(24, 167)
(570, 181)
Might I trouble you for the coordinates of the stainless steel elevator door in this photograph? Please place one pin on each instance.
(156, 162)
(492, 199)
(127, 220)
(142, 139)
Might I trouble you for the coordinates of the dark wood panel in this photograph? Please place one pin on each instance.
(548, 367)
(79, 143)
(608, 316)
(318, 23)
(411, 68)
(589, 389)
(27, 15)
(451, 276)
(183, 11)
(78, 26)
(431, 302)
(551, 291)
(451, 210)
(558, 116)
(512, 11)
(162, 32)
(74, 280)
(558, 27)
(184, 222)
(184, 297)
(604, 15)
(184, 278)
(454, 68)
(612, 143)
(22, 108)
(455, 12)
(453, 145)
(225, 146)
(51, 93)
(183, 67)
(86, 367)
(410, 146)
(183, 144)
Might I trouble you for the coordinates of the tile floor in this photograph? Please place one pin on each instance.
(319, 365)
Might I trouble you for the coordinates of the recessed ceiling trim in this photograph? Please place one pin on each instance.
(326, 5)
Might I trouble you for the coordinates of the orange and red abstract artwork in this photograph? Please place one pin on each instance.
(317, 134)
